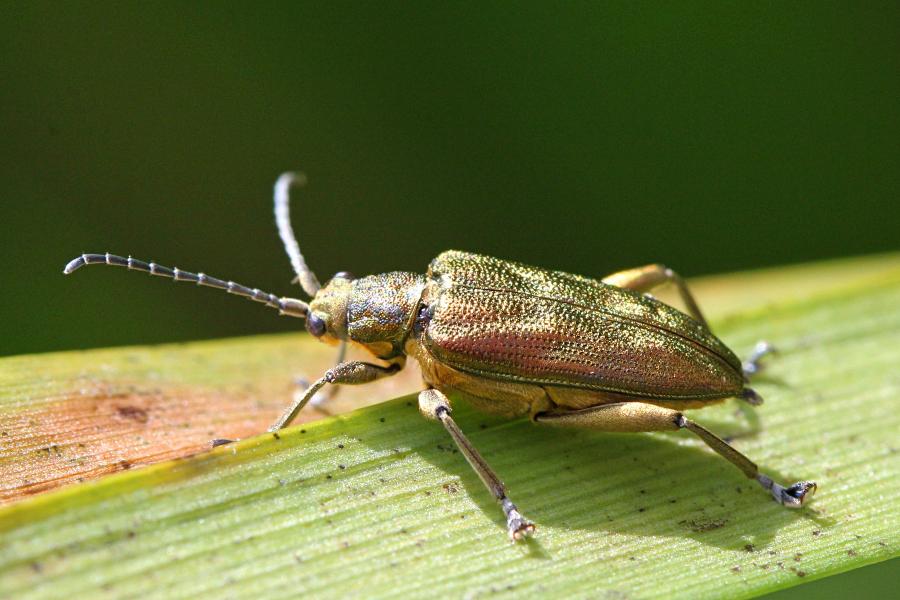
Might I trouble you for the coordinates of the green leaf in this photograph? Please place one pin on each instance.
(378, 503)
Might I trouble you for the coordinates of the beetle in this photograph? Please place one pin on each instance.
(518, 341)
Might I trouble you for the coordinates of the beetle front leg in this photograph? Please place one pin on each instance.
(643, 417)
(433, 404)
(644, 279)
(321, 399)
(346, 373)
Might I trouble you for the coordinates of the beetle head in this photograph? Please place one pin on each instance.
(327, 317)
(375, 311)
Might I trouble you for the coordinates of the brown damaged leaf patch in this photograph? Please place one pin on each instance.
(108, 427)
(105, 423)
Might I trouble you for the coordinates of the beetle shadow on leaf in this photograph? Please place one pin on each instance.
(628, 484)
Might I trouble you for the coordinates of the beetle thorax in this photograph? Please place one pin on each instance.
(381, 310)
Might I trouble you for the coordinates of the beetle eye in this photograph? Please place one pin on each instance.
(344, 275)
(315, 324)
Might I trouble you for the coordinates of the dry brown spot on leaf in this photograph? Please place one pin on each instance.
(112, 427)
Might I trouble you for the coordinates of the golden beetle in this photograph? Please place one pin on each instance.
(518, 341)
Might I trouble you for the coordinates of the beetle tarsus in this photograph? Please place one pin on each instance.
(751, 397)
(753, 365)
(518, 526)
(794, 496)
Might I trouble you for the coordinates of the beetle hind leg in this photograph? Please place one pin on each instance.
(644, 417)
(433, 404)
(793, 496)
(643, 279)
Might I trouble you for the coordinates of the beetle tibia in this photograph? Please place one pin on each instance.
(794, 496)
(518, 526)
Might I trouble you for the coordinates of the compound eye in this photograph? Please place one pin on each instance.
(344, 275)
(315, 324)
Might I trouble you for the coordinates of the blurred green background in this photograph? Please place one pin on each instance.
(585, 137)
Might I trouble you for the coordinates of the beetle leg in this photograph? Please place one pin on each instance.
(322, 398)
(433, 404)
(752, 365)
(346, 373)
(644, 279)
(641, 417)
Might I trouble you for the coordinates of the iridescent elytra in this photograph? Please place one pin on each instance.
(518, 341)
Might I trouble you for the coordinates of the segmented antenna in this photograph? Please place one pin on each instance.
(286, 306)
(305, 276)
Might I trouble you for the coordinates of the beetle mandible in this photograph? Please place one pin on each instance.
(515, 340)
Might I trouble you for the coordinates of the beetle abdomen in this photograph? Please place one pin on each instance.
(504, 320)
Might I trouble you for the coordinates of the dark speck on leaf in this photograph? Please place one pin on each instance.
(341, 446)
(381, 419)
(275, 435)
(817, 533)
(641, 509)
(851, 552)
(750, 548)
(133, 412)
(341, 467)
(328, 477)
(302, 431)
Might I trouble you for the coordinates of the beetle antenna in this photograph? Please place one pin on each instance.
(305, 276)
(286, 306)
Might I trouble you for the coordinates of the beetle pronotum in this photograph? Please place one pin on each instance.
(516, 340)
